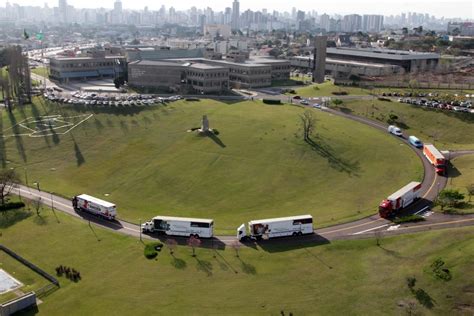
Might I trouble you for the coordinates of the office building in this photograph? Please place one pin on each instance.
(235, 15)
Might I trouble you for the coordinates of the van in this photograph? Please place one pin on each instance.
(395, 130)
(414, 141)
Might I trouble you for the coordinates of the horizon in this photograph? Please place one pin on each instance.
(447, 9)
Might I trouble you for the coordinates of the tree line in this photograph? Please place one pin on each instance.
(15, 79)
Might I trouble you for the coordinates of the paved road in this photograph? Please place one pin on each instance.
(431, 185)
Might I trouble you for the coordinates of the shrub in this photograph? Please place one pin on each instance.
(215, 131)
(411, 282)
(409, 219)
(439, 271)
(340, 93)
(271, 101)
(337, 101)
(150, 251)
(384, 99)
(11, 206)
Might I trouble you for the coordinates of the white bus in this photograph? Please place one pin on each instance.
(277, 227)
(95, 206)
(180, 226)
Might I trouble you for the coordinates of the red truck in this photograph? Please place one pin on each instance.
(435, 158)
(400, 199)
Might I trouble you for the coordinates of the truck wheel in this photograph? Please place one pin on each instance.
(294, 234)
(300, 233)
(196, 236)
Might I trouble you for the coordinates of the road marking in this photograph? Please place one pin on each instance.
(422, 210)
(438, 224)
(370, 229)
(393, 227)
(347, 228)
(432, 185)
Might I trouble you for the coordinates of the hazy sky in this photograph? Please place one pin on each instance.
(446, 8)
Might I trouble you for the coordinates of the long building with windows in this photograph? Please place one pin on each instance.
(64, 69)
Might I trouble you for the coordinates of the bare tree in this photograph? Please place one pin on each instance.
(8, 180)
(194, 242)
(308, 123)
(378, 234)
(236, 246)
(171, 244)
(37, 205)
(470, 191)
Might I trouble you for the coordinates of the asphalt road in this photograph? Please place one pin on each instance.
(363, 228)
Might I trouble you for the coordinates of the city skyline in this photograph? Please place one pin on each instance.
(449, 9)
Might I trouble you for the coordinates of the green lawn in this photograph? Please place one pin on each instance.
(447, 130)
(148, 164)
(461, 175)
(327, 88)
(339, 278)
(41, 71)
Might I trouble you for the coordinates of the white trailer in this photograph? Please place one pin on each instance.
(180, 226)
(277, 227)
(95, 206)
(400, 199)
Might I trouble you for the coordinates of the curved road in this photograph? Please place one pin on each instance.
(431, 185)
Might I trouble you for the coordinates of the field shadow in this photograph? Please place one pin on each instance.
(98, 125)
(216, 139)
(453, 172)
(424, 298)
(247, 268)
(80, 160)
(91, 218)
(338, 163)
(281, 244)
(223, 263)
(3, 154)
(18, 138)
(208, 243)
(11, 217)
(413, 208)
(204, 266)
(114, 110)
(178, 263)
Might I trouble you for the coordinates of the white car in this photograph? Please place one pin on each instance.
(304, 102)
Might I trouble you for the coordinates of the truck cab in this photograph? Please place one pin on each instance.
(242, 233)
(440, 169)
(148, 227)
(385, 208)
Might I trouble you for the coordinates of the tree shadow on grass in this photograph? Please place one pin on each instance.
(80, 160)
(40, 220)
(247, 268)
(18, 139)
(11, 217)
(204, 266)
(224, 264)
(424, 298)
(3, 155)
(98, 124)
(178, 263)
(335, 162)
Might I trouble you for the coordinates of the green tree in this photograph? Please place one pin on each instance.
(8, 180)
(449, 197)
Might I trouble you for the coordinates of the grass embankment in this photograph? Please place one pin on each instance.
(41, 71)
(148, 164)
(461, 174)
(445, 129)
(326, 89)
(116, 278)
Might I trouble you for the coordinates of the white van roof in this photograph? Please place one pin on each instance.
(96, 200)
(184, 219)
(279, 219)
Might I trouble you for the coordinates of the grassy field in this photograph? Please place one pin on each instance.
(326, 89)
(41, 71)
(342, 277)
(144, 160)
(447, 130)
(462, 175)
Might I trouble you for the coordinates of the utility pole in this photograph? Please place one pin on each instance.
(140, 229)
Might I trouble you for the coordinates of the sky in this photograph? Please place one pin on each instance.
(454, 8)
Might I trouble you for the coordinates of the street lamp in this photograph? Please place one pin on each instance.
(37, 185)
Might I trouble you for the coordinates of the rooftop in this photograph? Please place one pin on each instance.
(380, 53)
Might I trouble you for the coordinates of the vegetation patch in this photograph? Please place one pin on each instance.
(409, 219)
(151, 249)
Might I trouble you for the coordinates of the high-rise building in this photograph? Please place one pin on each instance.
(117, 12)
(324, 22)
(372, 23)
(235, 15)
(351, 23)
(319, 59)
(62, 8)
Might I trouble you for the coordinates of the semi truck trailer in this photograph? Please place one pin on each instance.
(436, 158)
(276, 227)
(94, 206)
(180, 226)
(400, 199)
